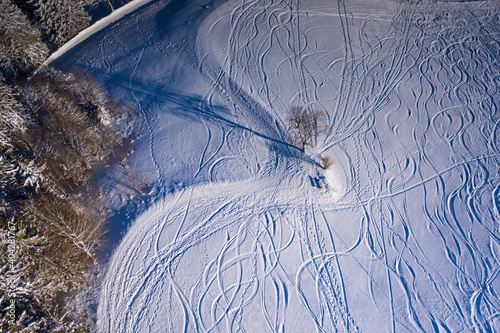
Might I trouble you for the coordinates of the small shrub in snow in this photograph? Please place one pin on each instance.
(135, 182)
(326, 161)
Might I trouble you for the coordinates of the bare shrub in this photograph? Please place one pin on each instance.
(304, 126)
(132, 182)
(137, 180)
(326, 161)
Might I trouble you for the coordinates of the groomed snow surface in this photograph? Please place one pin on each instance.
(400, 234)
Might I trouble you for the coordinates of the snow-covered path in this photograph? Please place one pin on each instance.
(404, 236)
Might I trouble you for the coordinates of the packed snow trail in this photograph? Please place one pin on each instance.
(400, 234)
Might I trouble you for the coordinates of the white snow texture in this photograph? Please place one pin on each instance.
(400, 234)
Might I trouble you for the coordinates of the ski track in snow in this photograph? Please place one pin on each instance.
(405, 238)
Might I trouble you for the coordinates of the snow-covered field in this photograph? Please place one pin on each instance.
(402, 236)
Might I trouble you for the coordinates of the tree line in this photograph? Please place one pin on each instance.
(55, 129)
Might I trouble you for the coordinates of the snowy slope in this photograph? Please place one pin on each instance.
(404, 234)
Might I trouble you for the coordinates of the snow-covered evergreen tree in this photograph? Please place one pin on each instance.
(17, 174)
(51, 134)
(61, 19)
(73, 124)
(21, 47)
(54, 128)
(33, 285)
(11, 116)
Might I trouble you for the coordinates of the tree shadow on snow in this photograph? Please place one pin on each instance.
(250, 117)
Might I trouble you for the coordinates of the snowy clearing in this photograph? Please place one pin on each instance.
(400, 234)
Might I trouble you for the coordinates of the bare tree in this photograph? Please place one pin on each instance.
(304, 126)
(75, 124)
(79, 224)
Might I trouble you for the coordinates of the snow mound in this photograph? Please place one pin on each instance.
(335, 182)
